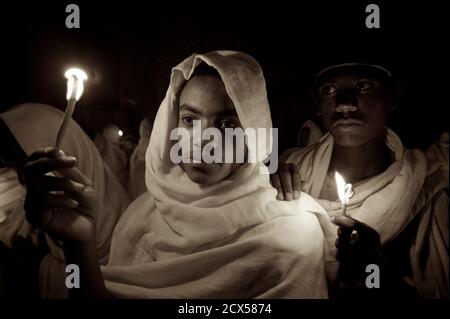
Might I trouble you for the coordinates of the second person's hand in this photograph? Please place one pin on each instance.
(286, 181)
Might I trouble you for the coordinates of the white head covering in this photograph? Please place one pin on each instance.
(168, 183)
(136, 182)
(12, 195)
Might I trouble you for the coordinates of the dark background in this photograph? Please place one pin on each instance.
(129, 47)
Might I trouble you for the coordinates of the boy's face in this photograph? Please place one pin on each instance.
(204, 98)
(354, 106)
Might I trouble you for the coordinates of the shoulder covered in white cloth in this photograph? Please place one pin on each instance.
(266, 260)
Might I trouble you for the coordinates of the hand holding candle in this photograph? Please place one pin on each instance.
(75, 78)
(345, 192)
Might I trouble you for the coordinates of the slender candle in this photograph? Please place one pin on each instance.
(345, 192)
(75, 78)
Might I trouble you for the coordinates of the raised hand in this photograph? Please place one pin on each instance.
(64, 206)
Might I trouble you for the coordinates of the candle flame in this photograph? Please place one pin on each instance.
(120, 133)
(344, 190)
(75, 86)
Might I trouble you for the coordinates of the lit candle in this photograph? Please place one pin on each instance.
(75, 78)
(345, 192)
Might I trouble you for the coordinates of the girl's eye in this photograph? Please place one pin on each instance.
(328, 89)
(228, 124)
(363, 86)
(187, 120)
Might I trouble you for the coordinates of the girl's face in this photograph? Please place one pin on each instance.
(204, 98)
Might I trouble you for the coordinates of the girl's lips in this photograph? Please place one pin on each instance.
(203, 166)
(198, 169)
(197, 165)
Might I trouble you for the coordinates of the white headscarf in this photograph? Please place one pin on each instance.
(136, 182)
(12, 195)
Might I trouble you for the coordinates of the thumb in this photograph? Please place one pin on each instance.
(344, 222)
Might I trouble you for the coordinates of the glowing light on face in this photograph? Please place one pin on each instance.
(120, 132)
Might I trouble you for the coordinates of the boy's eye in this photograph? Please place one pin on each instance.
(327, 89)
(228, 124)
(363, 86)
(187, 120)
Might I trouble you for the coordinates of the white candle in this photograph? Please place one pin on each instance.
(344, 191)
(75, 86)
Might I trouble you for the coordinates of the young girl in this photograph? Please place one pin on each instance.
(201, 230)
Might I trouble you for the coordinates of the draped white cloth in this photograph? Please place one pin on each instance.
(411, 187)
(228, 240)
(438, 151)
(12, 195)
(136, 182)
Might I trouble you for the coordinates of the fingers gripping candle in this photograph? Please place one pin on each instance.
(75, 85)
